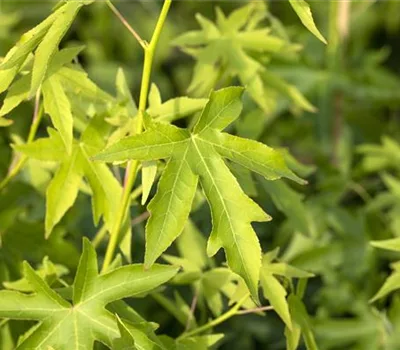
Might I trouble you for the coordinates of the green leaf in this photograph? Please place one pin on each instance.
(300, 320)
(275, 293)
(19, 53)
(176, 108)
(105, 187)
(286, 89)
(77, 82)
(227, 50)
(19, 90)
(63, 190)
(124, 94)
(49, 45)
(245, 179)
(51, 149)
(197, 157)
(17, 93)
(192, 245)
(149, 172)
(63, 325)
(292, 205)
(253, 155)
(226, 108)
(181, 314)
(288, 271)
(127, 340)
(170, 207)
(5, 122)
(204, 342)
(57, 105)
(389, 244)
(213, 282)
(304, 12)
(47, 271)
(391, 284)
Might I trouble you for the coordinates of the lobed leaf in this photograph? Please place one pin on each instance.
(65, 326)
(198, 155)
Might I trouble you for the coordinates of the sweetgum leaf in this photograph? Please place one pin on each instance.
(198, 157)
(63, 188)
(78, 324)
(227, 49)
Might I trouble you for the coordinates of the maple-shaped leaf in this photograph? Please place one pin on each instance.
(64, 187)
(229, 46)
(198, 156)
(77, 324)
(167, 111)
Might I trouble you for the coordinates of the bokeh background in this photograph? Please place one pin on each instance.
(349, 148)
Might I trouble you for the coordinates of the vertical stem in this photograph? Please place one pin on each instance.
(133, 166)
(329, 124)
(20, 161)
(343, 21)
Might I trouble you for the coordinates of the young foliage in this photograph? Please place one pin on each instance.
(197, 156)
(392, 283)
(43, 40)
(304, 12)
(76, 324)
(228, 48)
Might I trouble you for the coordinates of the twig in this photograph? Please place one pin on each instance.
(18, 162)
(142, 217)
(230, 313)
(135, 34)
(133, 166)
(257, 309)
(192, 309)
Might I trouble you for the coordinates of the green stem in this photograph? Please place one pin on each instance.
(227, 315)
(325, 122)
(20, 162)
(133, 166)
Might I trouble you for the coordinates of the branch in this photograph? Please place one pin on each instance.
(133, 166)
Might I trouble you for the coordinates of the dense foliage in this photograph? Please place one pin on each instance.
(186, 175)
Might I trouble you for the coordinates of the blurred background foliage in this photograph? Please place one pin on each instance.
(349, 151)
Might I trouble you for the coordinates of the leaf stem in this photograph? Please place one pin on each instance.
(135, 34)
(133, 166)
(230, 313)
(19, 162)
(192, 309)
